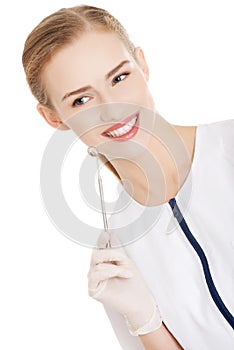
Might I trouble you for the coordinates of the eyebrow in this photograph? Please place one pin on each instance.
(87, 87)
(114, 70)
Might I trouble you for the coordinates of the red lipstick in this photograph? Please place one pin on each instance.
(126, 134)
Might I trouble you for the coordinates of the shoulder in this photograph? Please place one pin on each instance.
(220, 127)
(221, 131)
(218, 137)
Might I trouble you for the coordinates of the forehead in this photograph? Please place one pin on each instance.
(86, 59)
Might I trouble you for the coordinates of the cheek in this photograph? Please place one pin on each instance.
(92, 137)
(88, 125)
(138, 92)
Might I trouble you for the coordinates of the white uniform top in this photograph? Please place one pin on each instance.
(168, 262)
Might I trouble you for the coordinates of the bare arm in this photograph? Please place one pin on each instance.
(160, 339)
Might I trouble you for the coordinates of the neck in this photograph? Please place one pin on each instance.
(159, 173)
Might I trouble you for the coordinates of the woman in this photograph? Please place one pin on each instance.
(87, 75)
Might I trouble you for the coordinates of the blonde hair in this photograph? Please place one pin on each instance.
(60, 29)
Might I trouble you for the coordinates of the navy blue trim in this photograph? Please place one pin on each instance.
(213, 291)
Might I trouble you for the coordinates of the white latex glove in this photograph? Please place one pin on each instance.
(114, 280)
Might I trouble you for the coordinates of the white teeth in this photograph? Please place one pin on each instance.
(115, 132)
(123, 130)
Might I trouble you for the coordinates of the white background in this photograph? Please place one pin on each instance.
(43, 295)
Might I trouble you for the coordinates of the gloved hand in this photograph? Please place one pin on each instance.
(114, 280)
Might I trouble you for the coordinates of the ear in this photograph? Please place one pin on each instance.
(50, 117)
(140, 59)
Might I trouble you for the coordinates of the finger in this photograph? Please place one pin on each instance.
(109, 255)
(105, 271)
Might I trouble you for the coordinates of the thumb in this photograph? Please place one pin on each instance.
(106, 237)
(103, 239)
(114, 240)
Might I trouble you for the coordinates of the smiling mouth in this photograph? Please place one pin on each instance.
(125, 130)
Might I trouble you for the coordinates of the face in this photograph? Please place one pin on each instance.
(96, 87)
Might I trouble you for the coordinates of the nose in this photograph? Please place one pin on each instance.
(113, 106)
(110, 109)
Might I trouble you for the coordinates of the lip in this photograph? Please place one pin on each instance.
(129, 134)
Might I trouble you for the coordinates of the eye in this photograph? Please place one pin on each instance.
(80, 101)
(119, 78)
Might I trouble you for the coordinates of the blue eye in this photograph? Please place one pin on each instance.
(80, 101)
(119, 78)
